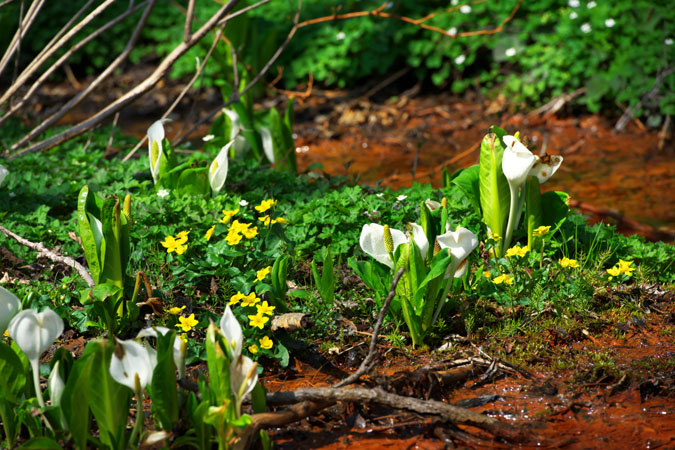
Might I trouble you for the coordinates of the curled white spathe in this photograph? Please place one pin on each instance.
(234, 337)
(218, 169)
(34, 332)
(130, 359)
(155, 136)
(178, 345)
(10, 305)
(461, 243)
(3, 173)
(517, 161)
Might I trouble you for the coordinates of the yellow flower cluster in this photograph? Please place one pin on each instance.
(187, 323)
(176, 310)
(505, 278)
(566, 262)
(265, 205)
(239, 230)
(262, 273)
(176, 244)
(517, 251)
(227, 215)
(541, 231)
(621, 267)
(266, 220)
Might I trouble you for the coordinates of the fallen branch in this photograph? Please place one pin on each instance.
(448, 413)
(51, 254)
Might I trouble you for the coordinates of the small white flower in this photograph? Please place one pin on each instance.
(400, 198)
(454, 2)
(573, 3)
(668, 41)
(510, 52)
(465, 9)
(573, 15)
(162, 193)
(460, 60)
(243, 203)
(609, 23)
(591, 5)
(381, 194)
(452, 31)
(586, 28)
(340, 36)
(208, 137)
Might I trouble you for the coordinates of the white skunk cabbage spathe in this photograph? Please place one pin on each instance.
(130, 360)
(461, 243)
(34, 332)
(240, 145)
(218, 169)
(267, 143)
(179, 348)
(10, 305)
(372, 241)
(155, 150)
(517, 161)
(545, 167)
(3, 173)
(234, 337)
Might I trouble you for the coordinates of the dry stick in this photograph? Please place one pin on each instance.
(6, 2)
(237, 95)
(18, 49)
(51, 254)
(38, 83)
(189, 16)
(368, 362)
(37, 62)
(134, 93)
(199, 69)
(24, 25)
(449, 413)
(98, 80)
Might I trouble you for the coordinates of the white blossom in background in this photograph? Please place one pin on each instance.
(465, 9)
(243, 203)
(668, 41)
(573, 3)
(162, 193)
(510, 52)
(591, 5)
(452, 31)
(460, 60)
(573, 15)
(609, 23)
(454, 2)
(381, 194)
(586, 28)
(208, 137)
(340, 36)
(400, 198)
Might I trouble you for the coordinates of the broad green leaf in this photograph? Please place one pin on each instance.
(279, 287)
(89, 244)
(75, 399)
(110, 252)
(437, 268)
(9, 420)
(109, 400)
(40, 443)
(13, 378)
(494, 188)
(468, 181)
(246, 115)
(163, 391)
(533, 208)
(284, 152)
(416, 273)
(218, 365)
(196, 413)
(193, 181)
(259, 398)
(555, 209)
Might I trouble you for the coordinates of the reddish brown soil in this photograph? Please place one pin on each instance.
(630, 174)
(588, 405)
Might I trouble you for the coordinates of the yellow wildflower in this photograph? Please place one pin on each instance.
(566, 262)
(236, 297)
(250, 233)
(253, 349)
(541, 231)
(266, 343)
(265, 308)
(625, 267)
(262, 273)
(265, 219)
(227, 215)
(187, 323)
(265, 205)
(176, 310)
(184, 337)
(233, 238)
(209, 233)
(258, 321)
(614, 271)
(6, 333)
(505, 278)
(487, 274)
(175, 245)
(279, 220)
(249, 300)
(182, 236)
(516, 251)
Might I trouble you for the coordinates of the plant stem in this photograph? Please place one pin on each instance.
(140, 416)
(36, 380)
(541, 255)
(512, 212)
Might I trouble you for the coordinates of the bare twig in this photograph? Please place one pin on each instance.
(51, 254)
(186, 88)
(368, 362)
(6, 2)
(24, 24)
(36, 85)
(37, 62)
(137, 91)
(189, 17)
(98, 80)
(449, 413)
